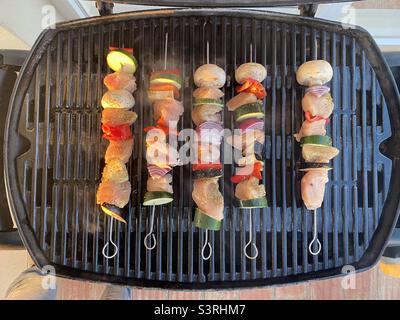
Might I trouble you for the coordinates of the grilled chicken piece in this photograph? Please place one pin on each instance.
(208, 93)
(322, 106)
(313, 188)
(120, 80)
(168, 109)
(206, 112)
(117, 117)
(250, 159)
(121, 150)
(155, 135)
(208, 153)
(117, 194)
(161, 154)
(318, 153)
(208, 197)
(115, 171)
(246, 141)
(249, 189)
(314, 128)
(160, 184)
(241, 99)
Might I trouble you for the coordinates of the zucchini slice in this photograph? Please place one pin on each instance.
(253, 203)
(117, 213)
(156, 198)
(119, 59)
(318, 153)
(250, 110)
(316, 169)
(167, 78)
(307, 166)
(200, 101)
(323, 140)
(207, 173)
(204, 221)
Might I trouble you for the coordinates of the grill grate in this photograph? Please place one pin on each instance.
(58, 154)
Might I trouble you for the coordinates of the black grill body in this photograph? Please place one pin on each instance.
(53, 151)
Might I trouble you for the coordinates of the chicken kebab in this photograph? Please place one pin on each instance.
(207, 167)
(247, 107)
(317, 149)
(161, 157)
(114, 191)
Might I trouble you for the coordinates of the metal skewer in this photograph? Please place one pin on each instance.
(166, 51)
(149, 240)
(206, 242)
(250, 242)
(108, 243)
(315, 237)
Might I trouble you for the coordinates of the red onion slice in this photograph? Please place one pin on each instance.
(210, 132)
(210, 125)
(251, 124)
(157, 172)
(318, 91)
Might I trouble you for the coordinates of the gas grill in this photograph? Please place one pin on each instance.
(54, 151)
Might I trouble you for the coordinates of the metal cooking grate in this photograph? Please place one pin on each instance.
(58, 151)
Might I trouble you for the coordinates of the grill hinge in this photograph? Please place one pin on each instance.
(104, 8)
(308, 10)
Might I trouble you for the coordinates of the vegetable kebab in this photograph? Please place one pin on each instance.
(317, 149)
(247, 108)
(207, 169)
(161, 157)
(114, 191)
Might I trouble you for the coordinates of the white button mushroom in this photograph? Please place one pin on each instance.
(209, 75)
(314, 73)
(251, 70)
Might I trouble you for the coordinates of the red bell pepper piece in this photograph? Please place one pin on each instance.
(205, 166)
(310, 118)
(127, 50)
(254, 87)
(239, 177)
(117, 133)
(162, 126)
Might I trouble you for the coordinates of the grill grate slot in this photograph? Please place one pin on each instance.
(60, 116)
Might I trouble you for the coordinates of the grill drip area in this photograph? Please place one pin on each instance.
(55, 151)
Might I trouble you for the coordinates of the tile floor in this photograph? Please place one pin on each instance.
(372, 284)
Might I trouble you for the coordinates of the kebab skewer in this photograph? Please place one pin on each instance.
(114, 191)
(207, 169)
(160, 155)
(249, 114)
(317, 149)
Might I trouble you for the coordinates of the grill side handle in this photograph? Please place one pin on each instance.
(390, 262)
(10, 63)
